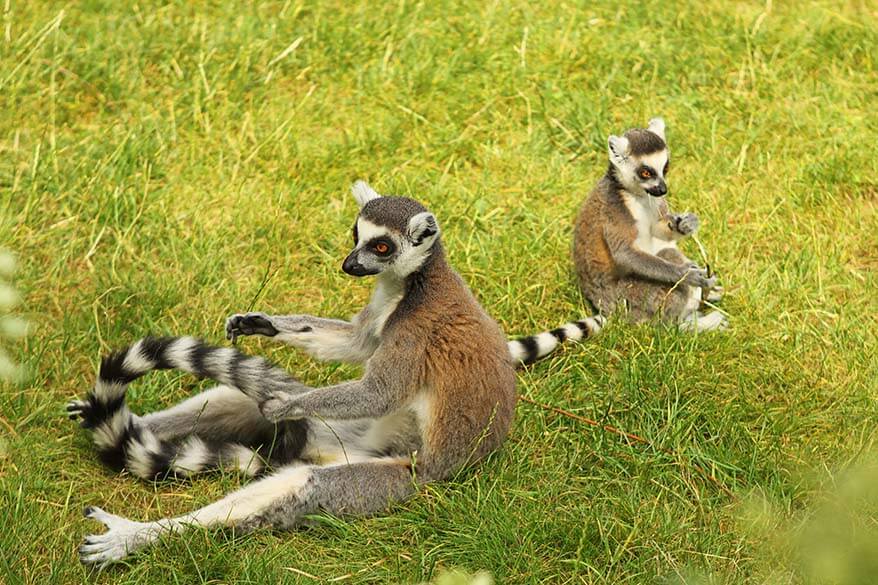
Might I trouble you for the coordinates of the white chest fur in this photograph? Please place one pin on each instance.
(388, 293)
(646, 213)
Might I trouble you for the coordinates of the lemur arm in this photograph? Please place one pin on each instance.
(390, 380)
(632, 260)
(348, 400)
(323, 339)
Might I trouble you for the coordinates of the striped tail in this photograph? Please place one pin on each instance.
(122, 441)
(527, 350)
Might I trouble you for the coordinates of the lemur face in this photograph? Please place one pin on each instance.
(392, 234)
(375, 249)
(641, 159)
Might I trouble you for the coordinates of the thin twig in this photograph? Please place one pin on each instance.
(703, 252)
(265, 278)
(587, 421)
(637, 439)
(9, 427)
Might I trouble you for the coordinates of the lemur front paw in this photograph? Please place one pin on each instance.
(698, 278)
(280, 406)
(249, 324)
(685, 224)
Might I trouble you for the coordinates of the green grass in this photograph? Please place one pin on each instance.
(157, 160)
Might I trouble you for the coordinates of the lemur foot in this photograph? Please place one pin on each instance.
(685, 224)
(83, 412)
(698, 322)
(715, 295)
(77, 409)
(249, 324)
(122, 537)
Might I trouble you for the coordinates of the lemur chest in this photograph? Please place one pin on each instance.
(646, 212)
(382, 305)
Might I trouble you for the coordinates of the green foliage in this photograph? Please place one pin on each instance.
(157, 160)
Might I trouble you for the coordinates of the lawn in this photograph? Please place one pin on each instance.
(163, 165)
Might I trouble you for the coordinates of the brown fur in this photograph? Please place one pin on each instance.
(604, 221)
(462, 364)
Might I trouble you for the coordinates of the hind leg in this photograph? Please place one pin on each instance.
(219, 428)
(697, 322)
(675, 305)
(715, 295)
(214, 429)
(281, 500)
(674, 255)
(692, 319)
(648, 300)
(124, 536)
(694, 295)
(218, 414)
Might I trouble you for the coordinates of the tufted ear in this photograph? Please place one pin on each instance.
(618, 150)
(363, 193)
(423, 228)
(657, 127)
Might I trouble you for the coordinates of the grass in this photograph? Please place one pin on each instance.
(159, 161)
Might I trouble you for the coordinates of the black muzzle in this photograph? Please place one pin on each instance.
(659, 190)
(353, 267)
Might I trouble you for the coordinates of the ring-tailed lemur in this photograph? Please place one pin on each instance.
(438, 392)
(625, 240)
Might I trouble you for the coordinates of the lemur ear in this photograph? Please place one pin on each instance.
(657, 127)
(618, 149)
(363, 193)
(423, 228)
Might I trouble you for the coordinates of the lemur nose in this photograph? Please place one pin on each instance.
(351, 265)
(660, 189)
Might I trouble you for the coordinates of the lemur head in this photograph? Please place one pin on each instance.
(639, 159)
(393, 235)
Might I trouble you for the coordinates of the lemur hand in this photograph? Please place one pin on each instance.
(249, 324)
(684, 224)
(280, 406)
(697, 277)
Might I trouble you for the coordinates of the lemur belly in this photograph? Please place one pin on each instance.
(398, 431)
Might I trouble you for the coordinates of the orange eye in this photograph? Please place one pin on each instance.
(382, 248)
(645, 174)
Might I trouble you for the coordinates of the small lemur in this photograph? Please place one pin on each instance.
(438, 393)
(625, 239)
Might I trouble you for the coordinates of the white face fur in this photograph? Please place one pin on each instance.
(381, 249)
(641, 174)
